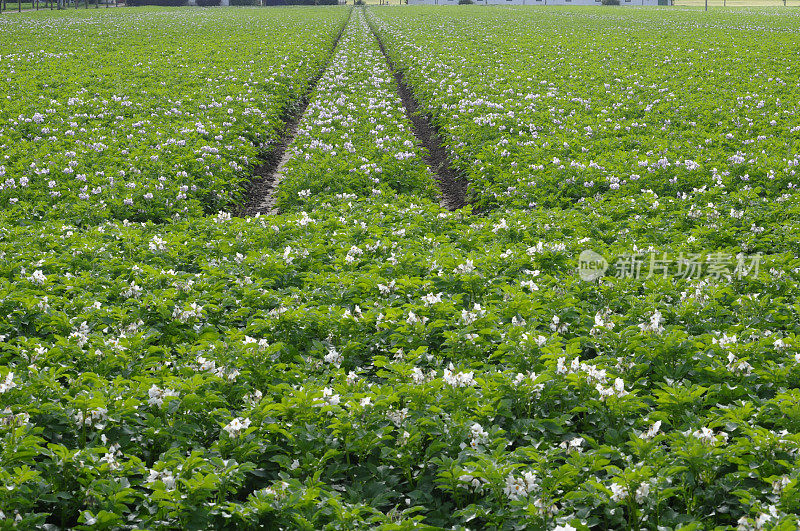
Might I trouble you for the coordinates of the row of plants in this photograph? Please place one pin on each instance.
(541, 108)
(354, 137)
(142, 128)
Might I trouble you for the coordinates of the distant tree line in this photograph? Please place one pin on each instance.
(176, 3)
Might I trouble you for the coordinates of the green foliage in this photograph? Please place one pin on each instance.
(366, 358)
(179, 137)
(532, 127)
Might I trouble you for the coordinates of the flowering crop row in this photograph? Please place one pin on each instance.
(543, 109)
(147, 114)
(354, 137)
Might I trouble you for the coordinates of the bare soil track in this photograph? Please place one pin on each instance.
(261, 193)
(452, 184)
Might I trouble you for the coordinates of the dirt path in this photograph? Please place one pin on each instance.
(452, 185)
(262, 192)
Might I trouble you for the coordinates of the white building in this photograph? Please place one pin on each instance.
(541, 2)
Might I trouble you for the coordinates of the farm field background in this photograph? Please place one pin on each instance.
(366, 357)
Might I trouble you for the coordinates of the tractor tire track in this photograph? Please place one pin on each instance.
(261, 194)
(452, 183)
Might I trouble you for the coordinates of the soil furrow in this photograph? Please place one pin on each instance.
(452, 184)
(262, 191)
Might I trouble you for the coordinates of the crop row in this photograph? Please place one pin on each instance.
(354, 137)
(542, 109)
(143, 127)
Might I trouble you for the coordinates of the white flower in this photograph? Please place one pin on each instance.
(397, 416)
(642, 492)
(499, 226)
(430, 299)
(287, 255)
(465, 268)
(8, 383)
(654, 325)
(477, 436)
(471, 482)
(779, 484)
(333, 357)
(619, 387)
(460, 379)
(158, 395)
(262, 343)
(617, 390)
(157, 244)
(237, 426)
(386, 289)
(304, 220)
(520, 487)
(133, 291)
(705, 435)
(110, 459)
(618, 492)
(738, 366)
(38, 277)
(329, 397)
(573, 445)
(184, 315)
(600, 323)
(725, 340)
(165, 476)
(530, 284)
(253, 398)
(468, 317)
(94, 418)
(652, 432)
(557, 326)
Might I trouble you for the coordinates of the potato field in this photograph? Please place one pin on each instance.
(467, 267)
